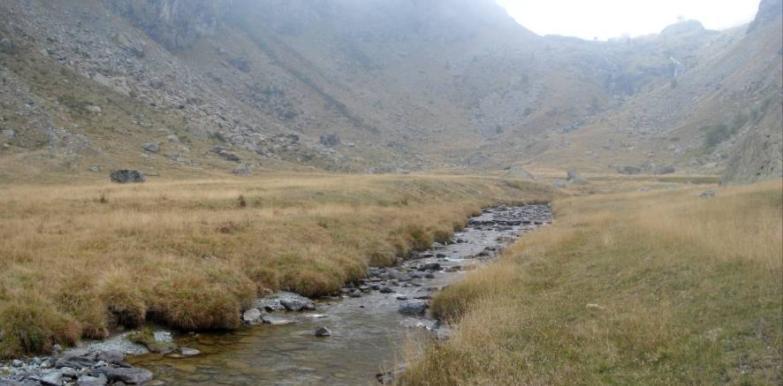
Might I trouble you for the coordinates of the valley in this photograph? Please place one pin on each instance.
(397, 192)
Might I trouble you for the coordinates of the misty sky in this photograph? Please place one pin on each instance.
(605, 19)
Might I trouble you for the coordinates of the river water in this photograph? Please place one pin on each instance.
(367, 331)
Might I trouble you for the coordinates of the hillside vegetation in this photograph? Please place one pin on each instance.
(638, 288)
(78, 261)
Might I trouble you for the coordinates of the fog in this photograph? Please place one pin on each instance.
(604, 19)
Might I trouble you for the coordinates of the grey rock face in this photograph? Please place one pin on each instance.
(127, 176)
(174, 24)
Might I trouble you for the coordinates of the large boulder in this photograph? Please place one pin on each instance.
(126, 176)
(284, 301)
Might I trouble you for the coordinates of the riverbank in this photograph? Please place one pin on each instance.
(79, 261)
(351, 339)
(674, 287)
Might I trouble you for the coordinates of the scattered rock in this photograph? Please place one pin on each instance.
(516, 171)
(52, 378)
(155, 341)
(125, 176)
(226, 154)
(276, 321)
(285, 301)
(252, 316)
(151, 147)
(86, 380)
(7, 46)
(575, 178)
(134, 376)
(391, 376)
(94, 109)
(629, 170)
(413, 308)
(188, 352)
(330, 140)
(242, 170)
(431, 266)
(322, 332)
(597, 307)
(668, 169)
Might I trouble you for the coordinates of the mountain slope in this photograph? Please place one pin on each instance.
(373, 85)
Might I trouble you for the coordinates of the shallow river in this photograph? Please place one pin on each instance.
(367, 331)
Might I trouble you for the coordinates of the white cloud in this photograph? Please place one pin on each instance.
(605, 19)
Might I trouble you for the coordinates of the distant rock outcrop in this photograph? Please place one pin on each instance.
(769, 11)
(174, 24)
(126, 176)
(330, 140)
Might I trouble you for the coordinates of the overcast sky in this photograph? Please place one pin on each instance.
(605, 19)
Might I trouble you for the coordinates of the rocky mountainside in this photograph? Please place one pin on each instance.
(214, 86)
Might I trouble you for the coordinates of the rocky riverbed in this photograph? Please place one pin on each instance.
(349, 338)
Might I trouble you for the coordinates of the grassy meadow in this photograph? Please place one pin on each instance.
(79, 260)
(659, 287)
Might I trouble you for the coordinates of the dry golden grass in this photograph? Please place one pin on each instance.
(636, 288)
(79, 260)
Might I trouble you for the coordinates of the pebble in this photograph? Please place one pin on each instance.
(189, 352)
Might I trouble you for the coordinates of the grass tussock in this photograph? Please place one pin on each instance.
(78, 261)
(638, 288)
